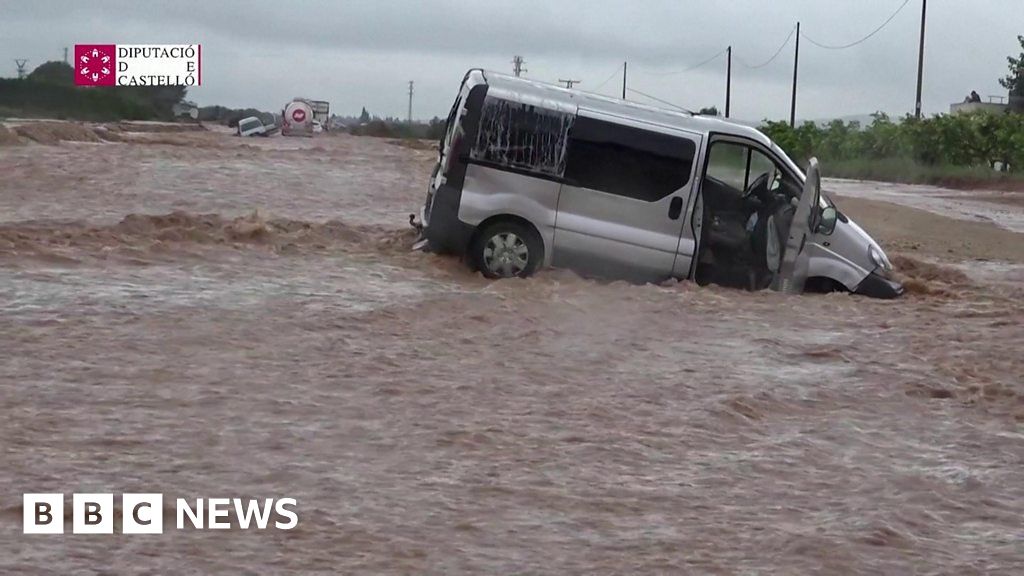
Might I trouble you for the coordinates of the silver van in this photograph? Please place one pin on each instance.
(533, 175)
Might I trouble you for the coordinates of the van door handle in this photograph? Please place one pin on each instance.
(675, 208)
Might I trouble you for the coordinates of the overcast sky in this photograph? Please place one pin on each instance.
(358, 53)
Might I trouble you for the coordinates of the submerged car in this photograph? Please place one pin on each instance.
(532, 175)
(252, 126)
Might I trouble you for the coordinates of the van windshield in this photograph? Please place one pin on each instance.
(824, 201)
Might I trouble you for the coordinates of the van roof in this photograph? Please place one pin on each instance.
(671, 118)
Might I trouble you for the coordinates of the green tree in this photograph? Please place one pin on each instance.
(54, 72)
(436, 128)
(708, 111)
(364, 117)
(1014, 81)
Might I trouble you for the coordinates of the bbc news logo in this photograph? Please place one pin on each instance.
(144, 513)
(138, 64)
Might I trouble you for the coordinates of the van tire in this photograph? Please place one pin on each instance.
(497, 250)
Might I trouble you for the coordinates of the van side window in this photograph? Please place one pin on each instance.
(733, 168)
(627, 161)
(727, 163)
(522, 136)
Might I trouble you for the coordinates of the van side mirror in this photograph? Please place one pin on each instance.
(827, 222)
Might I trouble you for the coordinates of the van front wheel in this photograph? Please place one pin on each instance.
(507, 249)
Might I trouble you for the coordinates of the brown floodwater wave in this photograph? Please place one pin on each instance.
(163, 234)
(923, 278)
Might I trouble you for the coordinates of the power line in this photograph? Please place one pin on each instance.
(774, 56)
(665, 102)
(685, 70)
(613, 75)
(864, 39)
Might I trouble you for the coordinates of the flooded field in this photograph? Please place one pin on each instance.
(205, 316)
(1001, 209)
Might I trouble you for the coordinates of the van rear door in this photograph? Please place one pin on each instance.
(453, 132)
(622, 204)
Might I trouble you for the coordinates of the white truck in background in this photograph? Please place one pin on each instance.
(321, 112)
(297, 119)
(253, 126)
(303, 117)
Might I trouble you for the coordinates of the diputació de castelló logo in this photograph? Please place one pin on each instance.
(138, 64)
(95, 64)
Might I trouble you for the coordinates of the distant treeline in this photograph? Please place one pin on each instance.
(977, 140)
(49, 92)
(231, 116)
(395, 128)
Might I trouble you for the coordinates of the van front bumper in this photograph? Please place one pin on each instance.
(877, 286)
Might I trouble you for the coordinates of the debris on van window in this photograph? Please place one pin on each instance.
(522, 136)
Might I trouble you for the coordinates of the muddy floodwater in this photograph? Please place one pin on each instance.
(204, 316)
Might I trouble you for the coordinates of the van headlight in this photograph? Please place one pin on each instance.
(879, 259)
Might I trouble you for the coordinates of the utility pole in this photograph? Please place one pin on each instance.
(21, 67)
(569, 83)
(410, 102)
(920, 59)
(728, 81)
(517, 66)
(624, 64)
(796, 68)
(65, 54)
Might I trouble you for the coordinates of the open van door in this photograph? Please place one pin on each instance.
(793, 270)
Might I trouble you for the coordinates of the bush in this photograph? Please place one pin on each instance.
(54, 72)
(960, 140)
(394, 128)
(49, 91)
(28, 98)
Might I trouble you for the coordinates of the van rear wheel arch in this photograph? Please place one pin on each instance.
(510, 226)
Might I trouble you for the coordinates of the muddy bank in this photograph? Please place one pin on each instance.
(917, 231)
(1002, 210)
(52, 132)
(8, 137)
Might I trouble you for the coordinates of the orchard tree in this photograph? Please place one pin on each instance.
(1014, 82)
(54, 72)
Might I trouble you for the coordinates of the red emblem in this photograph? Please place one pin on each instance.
(95, 64)
(299, 115)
